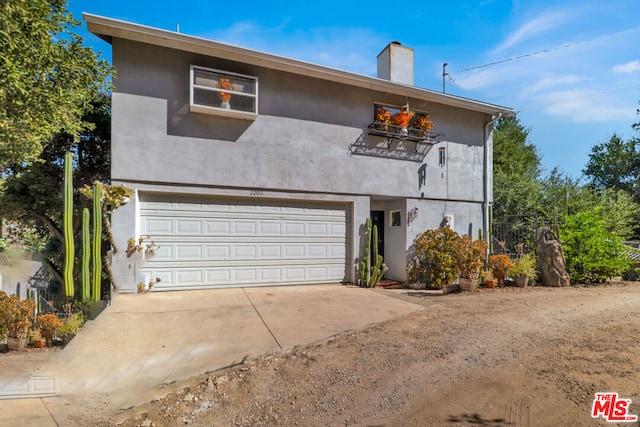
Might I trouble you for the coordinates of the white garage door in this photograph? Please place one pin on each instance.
(207, 243)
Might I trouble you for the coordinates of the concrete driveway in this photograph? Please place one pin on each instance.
(142, 342)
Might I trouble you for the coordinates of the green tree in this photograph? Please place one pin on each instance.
(615, 164)
(517, 168)
(31, 194)
(47, 77)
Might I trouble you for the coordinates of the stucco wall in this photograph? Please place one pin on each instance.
(299, 141)
(296, 149)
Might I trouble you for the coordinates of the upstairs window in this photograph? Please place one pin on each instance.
(223, 93)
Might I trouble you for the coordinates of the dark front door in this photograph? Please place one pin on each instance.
(377, 218)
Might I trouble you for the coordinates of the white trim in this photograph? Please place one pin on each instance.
(225, 112)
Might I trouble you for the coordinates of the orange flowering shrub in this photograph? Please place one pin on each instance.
(500, 262)
(16, 315)
(48, 322)
(470, 256)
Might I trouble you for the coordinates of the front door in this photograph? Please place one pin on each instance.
(377, 219)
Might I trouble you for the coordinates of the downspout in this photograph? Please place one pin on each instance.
(488, 171)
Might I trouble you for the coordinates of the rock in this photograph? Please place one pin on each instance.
(551, 265)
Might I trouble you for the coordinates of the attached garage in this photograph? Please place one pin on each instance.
(209, 243)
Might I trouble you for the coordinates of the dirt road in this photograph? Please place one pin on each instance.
(516, 357)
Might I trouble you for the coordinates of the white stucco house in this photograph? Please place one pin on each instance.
(252, 169)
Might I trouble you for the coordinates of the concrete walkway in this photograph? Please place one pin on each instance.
(142, 342)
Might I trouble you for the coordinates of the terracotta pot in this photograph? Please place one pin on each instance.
(499, 275)
(490, 284)
(38, 343)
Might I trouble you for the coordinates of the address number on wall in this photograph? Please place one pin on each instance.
(256, 193)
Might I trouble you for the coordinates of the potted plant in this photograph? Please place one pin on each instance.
(499, 264)
(36, 338)
(423, 124)
(401, 119)
(469, 256)
(431, 258)
(487, 278)
(16, 317)
(383, 118)
(47, 324)
(225, 97)
(69, 327)
(523, 269)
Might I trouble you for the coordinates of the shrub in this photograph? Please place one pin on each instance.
(15, 315)
(592, 254)
(48, 322)
(431, 258)
(470, 256)
(70, 325)
(500, 262)
(525, 266)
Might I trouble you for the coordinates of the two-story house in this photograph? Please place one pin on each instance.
(253, 169)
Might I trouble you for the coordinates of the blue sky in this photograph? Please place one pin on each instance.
(570, 68)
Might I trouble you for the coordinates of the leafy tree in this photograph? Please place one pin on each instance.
(619, 213)
(592, 253)
(512, 154)
(517, 169)
(47, 77)
(31, 194)
(616, 165)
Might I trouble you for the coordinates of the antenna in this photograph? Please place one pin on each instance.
(444, 74)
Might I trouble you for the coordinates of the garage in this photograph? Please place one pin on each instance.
(211, 243)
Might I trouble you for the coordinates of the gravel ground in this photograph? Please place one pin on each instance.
(511, 356)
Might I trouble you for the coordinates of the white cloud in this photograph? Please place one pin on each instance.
(584, 105)
(533, 27)
(628, 68)
(551, 82)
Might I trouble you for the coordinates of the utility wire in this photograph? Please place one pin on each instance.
(542, 52)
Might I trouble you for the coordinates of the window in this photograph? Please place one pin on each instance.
(223, 93)
(442, 156)
(395, 218)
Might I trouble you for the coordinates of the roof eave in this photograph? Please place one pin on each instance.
(108, 28)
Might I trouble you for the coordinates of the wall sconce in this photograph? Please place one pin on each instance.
(442, 156)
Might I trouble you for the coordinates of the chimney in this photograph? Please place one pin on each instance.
(395, 63)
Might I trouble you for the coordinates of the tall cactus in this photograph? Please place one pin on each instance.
(365, 263)
(69, 247)
(97, 241)
(370, 274)
(86, 255)
(378, 267)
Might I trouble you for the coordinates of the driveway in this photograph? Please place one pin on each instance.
(143, 342)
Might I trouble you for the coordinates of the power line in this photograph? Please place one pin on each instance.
(542, 52)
